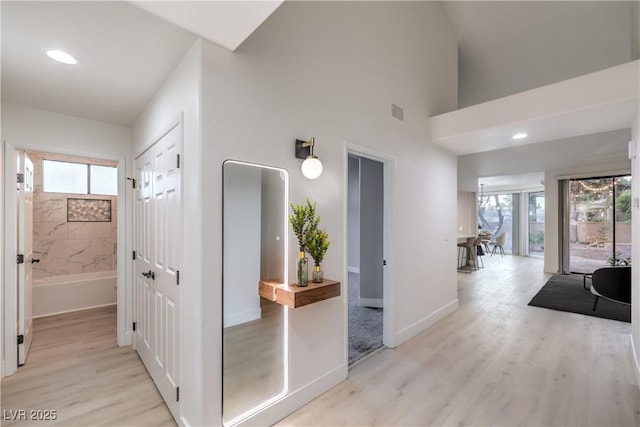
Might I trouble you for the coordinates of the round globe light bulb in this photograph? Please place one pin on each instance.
(311, 167)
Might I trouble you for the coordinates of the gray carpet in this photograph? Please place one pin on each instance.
(365, 324)
(565, 293)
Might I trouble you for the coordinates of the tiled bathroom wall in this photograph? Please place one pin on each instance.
(69, 247)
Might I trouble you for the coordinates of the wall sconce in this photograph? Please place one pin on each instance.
(311, 167)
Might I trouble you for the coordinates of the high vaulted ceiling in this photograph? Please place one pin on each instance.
(126, 53)
(507, 47)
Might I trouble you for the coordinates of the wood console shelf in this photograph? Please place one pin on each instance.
(295, 296)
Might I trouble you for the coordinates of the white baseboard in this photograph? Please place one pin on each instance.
(419, 326)
(371, 302)
(242, 317)
(636, 360)
(298, 398)
(355, 270)
(73, 310)
(128, 339)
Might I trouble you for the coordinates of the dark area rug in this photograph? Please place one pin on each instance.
(564, 292)
(365, 324)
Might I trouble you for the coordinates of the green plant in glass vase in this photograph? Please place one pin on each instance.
(317, 243)
(302, 220)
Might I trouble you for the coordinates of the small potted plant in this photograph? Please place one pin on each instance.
(317, 243)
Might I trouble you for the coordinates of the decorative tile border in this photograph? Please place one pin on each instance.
(88, 210)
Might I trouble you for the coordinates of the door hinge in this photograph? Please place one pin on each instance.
(134, 255)
(178, 161)
(20, 259)
(20, 339)
(134, 326)
(177, 394)
(177, 277)
(20, 179)
(133, 181)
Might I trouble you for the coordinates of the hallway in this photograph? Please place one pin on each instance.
(495, 361)
(75, 369)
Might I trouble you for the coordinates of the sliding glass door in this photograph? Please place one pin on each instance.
(599, 223)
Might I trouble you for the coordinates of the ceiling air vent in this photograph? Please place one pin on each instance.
(397, 112)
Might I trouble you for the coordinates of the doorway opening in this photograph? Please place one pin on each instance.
(365, 243)
(66, 245)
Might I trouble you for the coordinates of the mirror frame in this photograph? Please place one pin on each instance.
(258, 408)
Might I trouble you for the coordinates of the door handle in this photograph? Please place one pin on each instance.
(35, 261)
(149, 275)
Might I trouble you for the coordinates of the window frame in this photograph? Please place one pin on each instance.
(88, 181)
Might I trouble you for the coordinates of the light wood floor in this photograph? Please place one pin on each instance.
(253, 361)
(75, 368)
(494, 362)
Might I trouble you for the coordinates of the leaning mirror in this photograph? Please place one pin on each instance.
(254, 248)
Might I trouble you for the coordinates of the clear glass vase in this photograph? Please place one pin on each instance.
(302, 271)
(317, 274)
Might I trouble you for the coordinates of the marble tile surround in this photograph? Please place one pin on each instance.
(69, 247)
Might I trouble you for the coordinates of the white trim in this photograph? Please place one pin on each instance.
(171, 124)
(298, 398)
(9, 287)
(636, 361)
(371, 302)
(355, 270)
(74, 310)
(242, 317)
(389, 172)
(419, 326)
(124, 242)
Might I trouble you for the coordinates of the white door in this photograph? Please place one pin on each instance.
(25, 255)
(156, 284)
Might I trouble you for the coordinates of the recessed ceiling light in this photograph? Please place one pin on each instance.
(519, 136)
(60, 56)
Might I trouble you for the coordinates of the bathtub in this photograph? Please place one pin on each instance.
(72, 292)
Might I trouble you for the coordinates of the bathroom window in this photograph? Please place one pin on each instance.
(78, 178)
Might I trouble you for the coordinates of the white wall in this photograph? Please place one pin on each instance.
(39, 130)
(331, 70)
(180, 95)
(575, 41)
(243, 228)
(635, 30)
(580, 156)
(635, 251)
